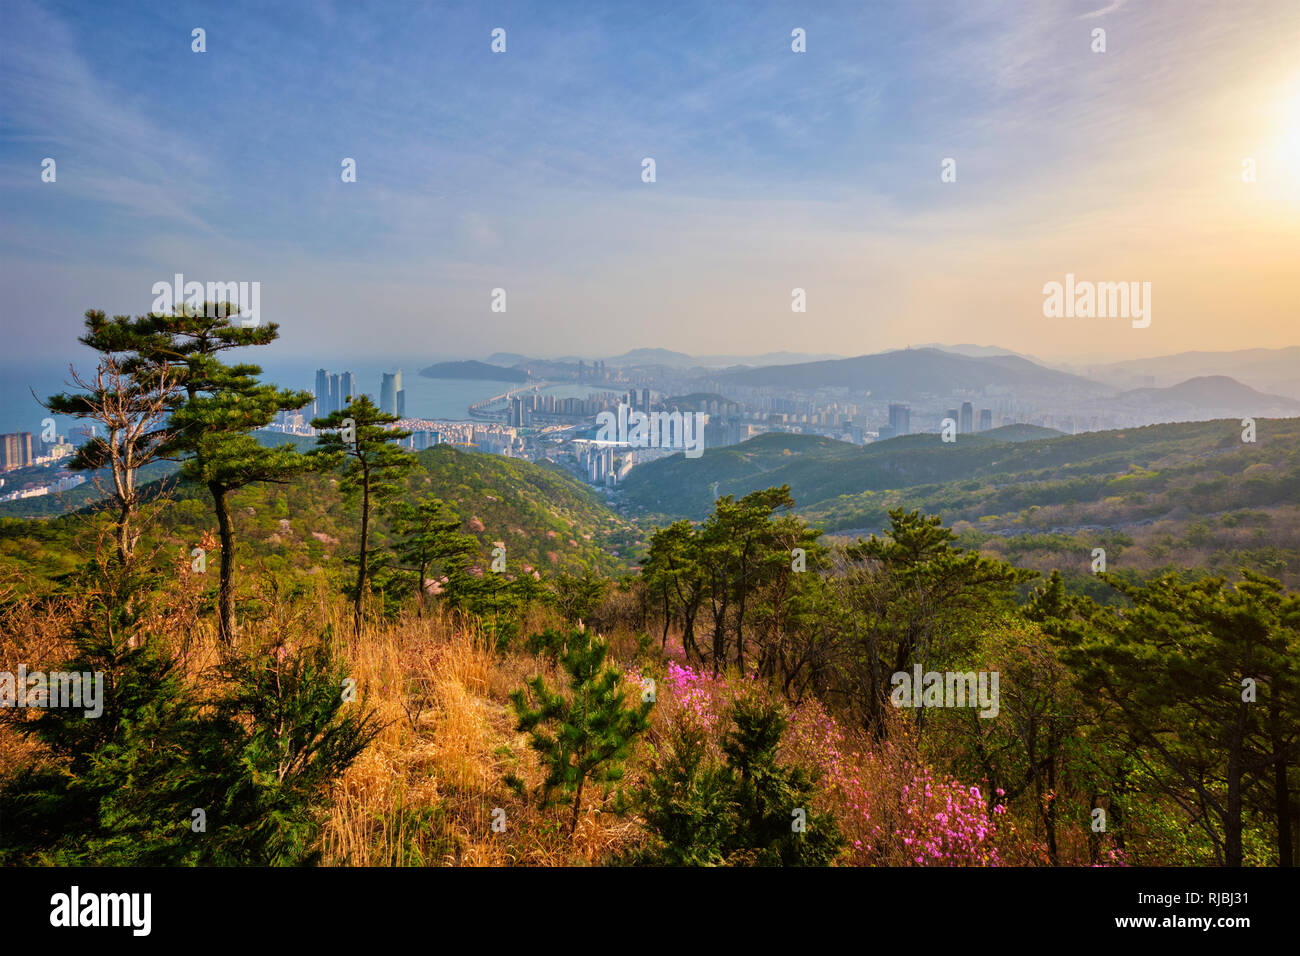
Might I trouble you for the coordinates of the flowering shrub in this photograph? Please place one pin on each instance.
(1113, 856)
(894, 809)
(948, 823)
(695, 694)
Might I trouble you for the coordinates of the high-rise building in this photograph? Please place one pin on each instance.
(15, 450)
(952, 413)
(401, 403)
(900, 419)
(334, 403)
(333, 392)
(322, 392)
(986, 419)
(389, 388)
(967, 418)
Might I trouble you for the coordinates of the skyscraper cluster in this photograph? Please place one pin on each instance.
(967, 423)
(900, 422)
(545, 404)
(333, 392)
(519, 414)
(598, 463)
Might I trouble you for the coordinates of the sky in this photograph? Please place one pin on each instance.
(774, 170)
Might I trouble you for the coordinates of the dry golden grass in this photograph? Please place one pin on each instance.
(425, 792)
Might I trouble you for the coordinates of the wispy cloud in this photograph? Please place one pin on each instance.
(775, 169)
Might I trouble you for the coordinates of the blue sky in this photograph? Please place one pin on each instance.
(774, 170)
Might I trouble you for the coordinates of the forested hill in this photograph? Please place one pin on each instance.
(819, 470)
(474, 370)
(546, 519)
(1179, 495)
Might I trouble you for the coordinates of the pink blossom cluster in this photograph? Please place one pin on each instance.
(947, 823)
(1113, 856)
(895, 810)
(695, 693)
(938, 822)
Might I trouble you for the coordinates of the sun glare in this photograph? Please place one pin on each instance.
(1290, 147)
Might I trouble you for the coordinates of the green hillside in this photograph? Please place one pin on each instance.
(818, 469)
(546, 519)
(1022, 432)
(1187, 494)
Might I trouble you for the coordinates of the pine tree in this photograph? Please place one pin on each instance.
(224, 403)
(749, 810)
(686, 802)
(915, 599)
(294, 731)
(131, 410)
(577, 596)
(496, 598)
(430, 541)
(589, 734)
(739, 556)
(768, 796)
(255, 758)
(673, 571)
(357, 437)
(1201, 679)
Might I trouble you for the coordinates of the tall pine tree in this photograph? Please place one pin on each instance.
(210, 432)
(131, 408)
(358, 437)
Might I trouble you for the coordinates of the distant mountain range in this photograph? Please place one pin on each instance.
(1189, 386)
(665, 357)
(911, 374)
(974, 351)
(1212, 396)
(1271, 370)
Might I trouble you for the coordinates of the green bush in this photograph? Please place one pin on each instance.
(747, 811)
(163, 777)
